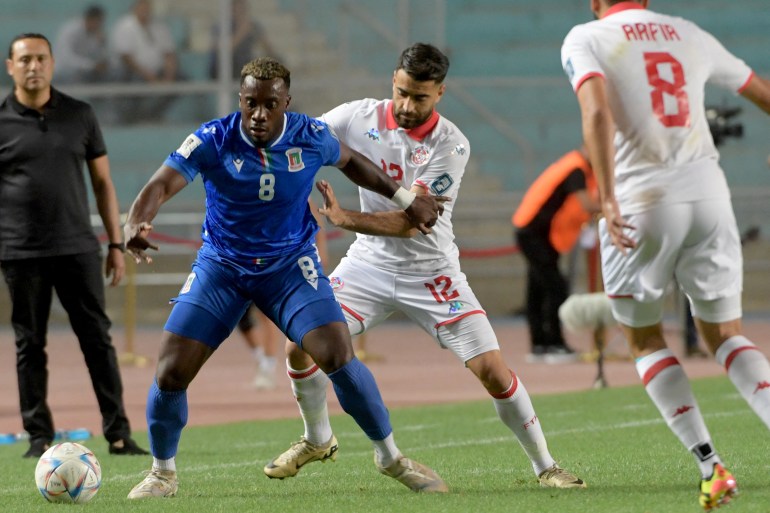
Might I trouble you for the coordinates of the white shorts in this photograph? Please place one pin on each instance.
(696, 243)
(443, 305)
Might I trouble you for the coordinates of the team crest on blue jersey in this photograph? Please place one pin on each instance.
(317, 127)
(441, 184)
(420, 155)
(455, 306)
(210, 130)
(373, 134)
(336, 283)
(295, 159)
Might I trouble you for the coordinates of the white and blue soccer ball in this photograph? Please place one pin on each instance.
(68, 472)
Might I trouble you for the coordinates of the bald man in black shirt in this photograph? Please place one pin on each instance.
(47, 243)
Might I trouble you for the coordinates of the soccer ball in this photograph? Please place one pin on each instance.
(68, 472)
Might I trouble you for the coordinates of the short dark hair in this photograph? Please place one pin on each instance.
(28, 35)
(94, 11)
(266, 68)
(423, 62)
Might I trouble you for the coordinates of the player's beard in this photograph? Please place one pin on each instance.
(410, 122)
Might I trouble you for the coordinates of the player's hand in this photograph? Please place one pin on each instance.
(136, 241)
(424, 211)
(115, 266)
(617, 226)
(331, 208)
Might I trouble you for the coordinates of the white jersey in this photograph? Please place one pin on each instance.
(656, 67)
(432, 156)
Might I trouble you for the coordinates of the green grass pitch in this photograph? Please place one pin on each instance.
(614, 439)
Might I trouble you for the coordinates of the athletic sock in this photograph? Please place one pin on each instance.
(385, 451)
(514, 407)
(267, 365)
(169, 464)
(166, 416)
(309, 388)
(359, 396)
(749, 371)
(670, 391)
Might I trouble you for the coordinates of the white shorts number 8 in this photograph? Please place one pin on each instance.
(308, 268)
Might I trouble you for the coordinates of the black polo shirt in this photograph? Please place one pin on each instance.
(43, 197)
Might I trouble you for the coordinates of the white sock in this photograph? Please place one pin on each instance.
(309, 387)
(267, 365)
(749, 371)
(670, 391)
(169, 464)
(514, 407)
(258, 353)
(385, 451)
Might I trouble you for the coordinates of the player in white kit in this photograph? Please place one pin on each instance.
(391, 267)
(639, 77)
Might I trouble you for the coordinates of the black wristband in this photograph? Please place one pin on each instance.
(117, 245)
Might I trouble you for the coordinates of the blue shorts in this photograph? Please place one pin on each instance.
(291, 291)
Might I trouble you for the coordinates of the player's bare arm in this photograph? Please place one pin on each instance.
(422, 210)
(393, 223)
(598, 132)
(758, 91)
(162, 186)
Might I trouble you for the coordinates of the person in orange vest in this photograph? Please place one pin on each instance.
(547, 223)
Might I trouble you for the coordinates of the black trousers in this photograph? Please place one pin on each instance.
(547, 289)
(78, 282)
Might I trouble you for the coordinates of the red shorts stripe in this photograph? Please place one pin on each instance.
(732, 355)
(455, 319)
(353, 313)
(302, 375)
(655, 369)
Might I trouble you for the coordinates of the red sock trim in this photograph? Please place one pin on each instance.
(732, 355)
(655, 369)
(511, 389)
(302, 375)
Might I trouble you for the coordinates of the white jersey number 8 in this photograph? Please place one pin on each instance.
(653, 62)
(266, 186)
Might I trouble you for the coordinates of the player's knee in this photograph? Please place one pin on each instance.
(297, 358)
(491, 371)
(172, 379)
(329, 346)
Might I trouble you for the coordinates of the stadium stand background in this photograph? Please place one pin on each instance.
(506, 91)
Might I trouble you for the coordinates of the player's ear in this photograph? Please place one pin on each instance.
(288, 101)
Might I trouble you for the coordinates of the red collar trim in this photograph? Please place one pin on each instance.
(622, 6)
(417, 133)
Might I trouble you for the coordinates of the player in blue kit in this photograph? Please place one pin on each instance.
(258, 166)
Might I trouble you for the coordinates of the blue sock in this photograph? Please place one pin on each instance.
(359, 396)
(166, 416)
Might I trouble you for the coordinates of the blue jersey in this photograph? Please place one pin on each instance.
(256, 198)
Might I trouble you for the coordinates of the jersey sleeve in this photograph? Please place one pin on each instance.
(338, 119)
(577, 59)
(727, 70)
(195, 154)
(326, 141)
(442, 174)
(95, 146)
